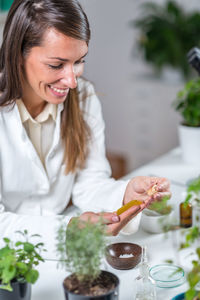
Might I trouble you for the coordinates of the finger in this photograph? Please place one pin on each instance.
(89, 217)
(109, 217)
(147, 202)
(160, 183)
(125, 217)
(160, 195)
(163, 185)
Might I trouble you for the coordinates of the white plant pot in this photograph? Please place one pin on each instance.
(190, 143)
(155, 223)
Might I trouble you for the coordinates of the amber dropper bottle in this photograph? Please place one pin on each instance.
(185, 215)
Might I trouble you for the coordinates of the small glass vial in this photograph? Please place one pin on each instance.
(144, 284)
(185, 215)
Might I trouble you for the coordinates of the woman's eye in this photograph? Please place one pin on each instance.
(80, 62)
(57, 67)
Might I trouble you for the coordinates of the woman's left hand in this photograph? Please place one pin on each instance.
(139, 188)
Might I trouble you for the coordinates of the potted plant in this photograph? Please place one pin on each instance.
(17, 267)
(157, 217)
(81, 247)
(163, 32)
(187, 103)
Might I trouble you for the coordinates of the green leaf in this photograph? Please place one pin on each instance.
(28, 247)
(18, 244)
(190, 294)
(32, 276)
(6, 287)
(22, 267)
(6, 240)
(35, 235)
(8, 274)
(198, 252)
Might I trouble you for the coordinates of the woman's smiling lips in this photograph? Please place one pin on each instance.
(59, 92)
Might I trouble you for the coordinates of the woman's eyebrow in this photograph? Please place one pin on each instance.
(66, 59)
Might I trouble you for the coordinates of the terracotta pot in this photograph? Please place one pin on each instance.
(21, 291)
(111, 295)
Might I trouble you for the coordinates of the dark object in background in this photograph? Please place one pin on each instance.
(185, 215)
(118, 164)
(21, 291)
(193, 57)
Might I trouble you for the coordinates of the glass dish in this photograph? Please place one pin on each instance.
(167, 276)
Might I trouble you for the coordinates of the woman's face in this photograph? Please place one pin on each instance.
(52, 68)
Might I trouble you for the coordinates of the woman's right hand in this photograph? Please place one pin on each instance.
(114, 223)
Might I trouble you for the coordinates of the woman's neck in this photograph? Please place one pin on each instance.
(33, 108)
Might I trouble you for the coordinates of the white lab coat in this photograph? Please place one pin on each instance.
(31, 196)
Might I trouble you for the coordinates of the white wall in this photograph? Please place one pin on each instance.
(140, 122)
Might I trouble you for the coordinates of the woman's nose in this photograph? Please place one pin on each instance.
(69, 78)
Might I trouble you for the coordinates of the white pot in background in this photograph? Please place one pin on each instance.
(190, 143)
(155, 223)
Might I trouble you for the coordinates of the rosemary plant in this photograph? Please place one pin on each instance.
(81, 247)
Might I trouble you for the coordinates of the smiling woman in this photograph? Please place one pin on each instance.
(51, 127)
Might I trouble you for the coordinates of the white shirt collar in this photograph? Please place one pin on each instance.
(49, 110)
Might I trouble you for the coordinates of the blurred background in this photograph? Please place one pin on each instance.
(141, 123)
(137, 82)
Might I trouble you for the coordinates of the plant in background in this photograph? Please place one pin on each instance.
(192, 235)
(158, 217)
(167, 33)
(161, 207)
(193, 192)
(187, 103)
(193, 277)
(18, 261)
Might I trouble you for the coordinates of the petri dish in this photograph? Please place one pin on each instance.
(167, 275)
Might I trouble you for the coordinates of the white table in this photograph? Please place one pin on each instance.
(49, 285)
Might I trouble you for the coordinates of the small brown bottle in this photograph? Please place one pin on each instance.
(185, 215)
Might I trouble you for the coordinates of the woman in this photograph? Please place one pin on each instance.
(51, 127)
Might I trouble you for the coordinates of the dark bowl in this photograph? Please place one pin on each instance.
(131, 252)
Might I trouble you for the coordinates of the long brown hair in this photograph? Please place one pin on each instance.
(25, 26)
